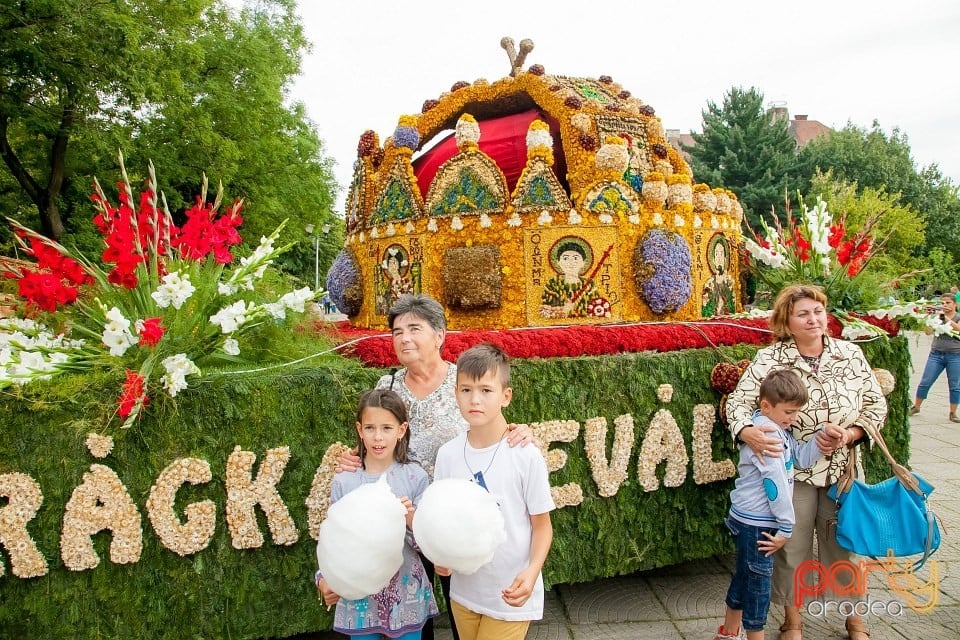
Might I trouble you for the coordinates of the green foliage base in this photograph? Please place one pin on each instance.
(222, 592)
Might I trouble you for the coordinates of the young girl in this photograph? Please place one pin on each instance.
(403, 606)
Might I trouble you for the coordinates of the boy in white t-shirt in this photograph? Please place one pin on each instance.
(502, 597)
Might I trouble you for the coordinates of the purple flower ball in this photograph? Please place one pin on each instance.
(664, 275)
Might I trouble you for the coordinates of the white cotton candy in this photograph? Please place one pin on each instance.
(361, 542)
(458, 525)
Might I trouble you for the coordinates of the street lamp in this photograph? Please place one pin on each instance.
(315, 237)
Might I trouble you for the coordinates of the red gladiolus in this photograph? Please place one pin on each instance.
(203, 234)
(844, 251)
(803, 247)
(151, 331)
(132, 395)
(836, 235)
(45, 290)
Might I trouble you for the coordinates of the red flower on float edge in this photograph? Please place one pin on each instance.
(133, 395)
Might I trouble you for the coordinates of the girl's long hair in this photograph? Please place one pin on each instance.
(392, 402)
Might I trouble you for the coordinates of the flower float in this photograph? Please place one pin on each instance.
(163, 299)
(817, 249)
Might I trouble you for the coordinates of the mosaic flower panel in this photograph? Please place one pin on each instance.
(397, 201)
(612, 198)
(538, 188)
(572, 275)
(634, 131)
(467, 183)
(399, 270)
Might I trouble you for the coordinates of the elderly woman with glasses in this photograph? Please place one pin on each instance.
(427, 384)
(843, 391)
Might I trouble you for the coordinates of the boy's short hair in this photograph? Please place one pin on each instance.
(476, 361)
(784, 385)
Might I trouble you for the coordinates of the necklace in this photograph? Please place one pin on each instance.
(812, 361)
(478, 476)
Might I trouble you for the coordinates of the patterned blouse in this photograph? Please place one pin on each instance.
(434, 421)
(843, 390)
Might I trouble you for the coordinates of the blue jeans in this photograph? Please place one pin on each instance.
(936, 363)
(749, 590)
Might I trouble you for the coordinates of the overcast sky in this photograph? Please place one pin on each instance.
(835, 61)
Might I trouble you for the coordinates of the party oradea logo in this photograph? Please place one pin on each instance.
(848, 582)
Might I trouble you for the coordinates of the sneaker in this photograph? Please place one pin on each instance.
(914, 410)
(954, 418)
(741, 635)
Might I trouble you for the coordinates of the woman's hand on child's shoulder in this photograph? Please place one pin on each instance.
(349, 461)
(520, 434)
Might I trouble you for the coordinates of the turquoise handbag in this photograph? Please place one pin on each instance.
(890, 518)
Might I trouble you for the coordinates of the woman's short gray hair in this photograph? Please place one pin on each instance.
(421, 306)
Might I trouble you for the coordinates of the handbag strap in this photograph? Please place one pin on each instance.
(849, 474)
(907, 479)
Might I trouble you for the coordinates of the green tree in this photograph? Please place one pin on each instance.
(745, 150)
(872, 159)
(195, 86)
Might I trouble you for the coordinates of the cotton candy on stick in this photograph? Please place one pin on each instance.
(361, 542)
(458, 525)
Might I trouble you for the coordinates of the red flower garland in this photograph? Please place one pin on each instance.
(376, 349)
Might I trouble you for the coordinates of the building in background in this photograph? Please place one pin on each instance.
(801, 128)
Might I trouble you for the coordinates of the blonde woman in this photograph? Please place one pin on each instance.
(843, 393)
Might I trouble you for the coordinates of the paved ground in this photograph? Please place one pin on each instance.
(685, 602)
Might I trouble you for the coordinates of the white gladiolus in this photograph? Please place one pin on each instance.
(764, 255)
(231, 317)
(177, 369)
(227, 288)
(818, 221)
(175, 290)
(296, 300)
(939, 328)
(360, 546)
(116, 321)
(458, 525)
(116, 333)
(231, 347)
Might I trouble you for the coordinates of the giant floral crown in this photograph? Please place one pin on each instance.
(556, 201)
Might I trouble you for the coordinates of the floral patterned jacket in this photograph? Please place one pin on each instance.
(843, 391)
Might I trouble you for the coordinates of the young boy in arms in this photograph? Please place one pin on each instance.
(502, 597)
(761, 510)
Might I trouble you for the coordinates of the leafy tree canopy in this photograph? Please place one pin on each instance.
(195, 86)
(872, 159)
(744, 150)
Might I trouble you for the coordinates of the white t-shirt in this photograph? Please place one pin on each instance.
(517, 478)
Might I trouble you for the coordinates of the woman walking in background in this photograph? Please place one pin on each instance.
(944, 354)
